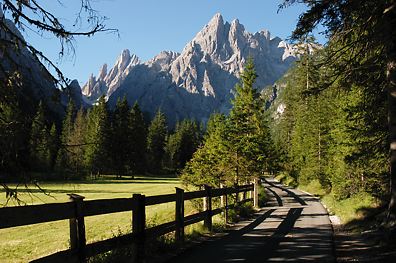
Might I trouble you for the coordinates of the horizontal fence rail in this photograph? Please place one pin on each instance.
(77, 209)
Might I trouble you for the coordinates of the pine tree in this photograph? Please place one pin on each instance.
(14, 124)
(40, 156)
(156, 136)
(182, 143)
(235, 148)
(137, 140)
(63, 161)
(120, 142)
(77, 144)
(53, 145)
(248, 134)
(210, 164)
(97, 154)
(172, 149)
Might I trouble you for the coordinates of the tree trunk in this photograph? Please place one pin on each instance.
(391, 74)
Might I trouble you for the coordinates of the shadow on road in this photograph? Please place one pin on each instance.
(298, 230)
(258, 244)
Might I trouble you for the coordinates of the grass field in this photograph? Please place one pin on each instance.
(21, 244)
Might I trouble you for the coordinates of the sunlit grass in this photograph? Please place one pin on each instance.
(21, 244)
(351, 208)
(314, 187)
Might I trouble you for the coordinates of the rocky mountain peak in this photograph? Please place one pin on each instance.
(212, 36)
(236, 26)
(123, 62)
(201, 79)
(124, 58)
(107, 82)
(265, 33)
(102, 72)
(163, 60)
(216, 21)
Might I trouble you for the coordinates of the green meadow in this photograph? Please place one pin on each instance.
(21, 244)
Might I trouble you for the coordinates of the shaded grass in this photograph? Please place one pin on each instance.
(21, 244)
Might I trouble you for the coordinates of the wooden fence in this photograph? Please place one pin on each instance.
(76, 210)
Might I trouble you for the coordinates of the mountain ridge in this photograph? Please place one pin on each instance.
(200, 79)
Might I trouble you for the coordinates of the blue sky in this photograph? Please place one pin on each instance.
(147, 27)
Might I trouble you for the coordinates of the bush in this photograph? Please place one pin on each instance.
(262, 196)
(288, 179)
(240, 211)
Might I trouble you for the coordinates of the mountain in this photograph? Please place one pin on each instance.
(199, 80)
(36, 83)
(108, 82)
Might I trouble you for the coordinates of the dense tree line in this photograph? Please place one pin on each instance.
(357, 71)
(236, 147)
(19, 146)
(103, 141)
(336, 136)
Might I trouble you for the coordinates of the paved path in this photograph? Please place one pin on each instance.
(293, 228)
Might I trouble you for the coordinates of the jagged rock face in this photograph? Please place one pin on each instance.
(201, 79)
(163, 61)
(107, 83)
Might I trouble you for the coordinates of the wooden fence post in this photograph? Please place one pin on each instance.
(255, 193)
(208, 208)
(226, 207)
(179, 215)
(236, 194)
(224, 203)
(138, 227)
(222, 196)
(77, 227)
(244, 194)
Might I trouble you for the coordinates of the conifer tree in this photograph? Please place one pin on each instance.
(77, 143)
(137, 140)
(172, 149)
(156, 136)
(40, 156)
(182, 143)
(210, 164)
(235, 148)
(14, 138)
(53, 145)
(120, 141)
(248, 135)
(97, 154)
(63, 158)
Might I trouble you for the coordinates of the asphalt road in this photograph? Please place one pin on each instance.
(295, 227)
